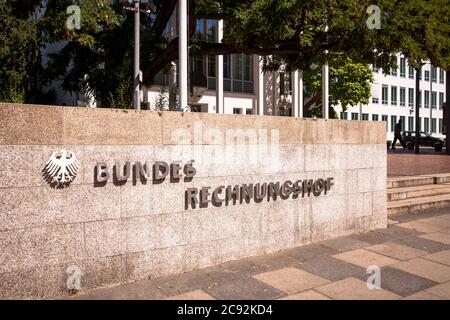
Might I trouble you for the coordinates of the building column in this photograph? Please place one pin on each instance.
(219, 72)
(297, 94)
(183, 54)
(275, 92)
(260, 110)
(325, 91)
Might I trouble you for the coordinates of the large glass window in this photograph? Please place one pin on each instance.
(355, 116)
(394, 95)
(420, 98)
(393, 122)
(427, 99)
(237, 73)
(374, 117)
(434, 99)
(411, 97)
(441, 128)
(441, 76)
(403, 97)
(402, 67)
(427, 75)
(403, 118)
(426, 124)
(441, 99)
(344, 115)
(411, 72)
(384, 94)
(433, 74)
(411, 123)
(365, 116)
(433, 125)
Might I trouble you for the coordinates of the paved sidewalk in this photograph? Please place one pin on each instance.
(413, 254)
(406, 163)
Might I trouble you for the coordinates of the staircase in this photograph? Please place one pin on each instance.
(414, 193)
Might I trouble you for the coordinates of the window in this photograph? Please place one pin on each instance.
(420, 123)
(249, 111)
(394, 72)
(237, 73)
(365, 116)
(420, 74)
(441, 129)
(376, 93)
(426, 124)
(384, 118)
(434, 99)
(403, 118)
(374, 117)
(375, 68)
(394, 95)
(411, 72)
(427, 75)
(411, 97)
(411, 123)
(420, 98)
(433, 74)
(433, 125)
(344, 116)
(403, 97)
(355, 116)
(402, 67)
(236, 110)
(384, 95)
(441, 76)
(393, 122)
(441, 99)
(427, 99)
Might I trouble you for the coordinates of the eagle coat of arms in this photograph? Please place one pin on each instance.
(61, 168)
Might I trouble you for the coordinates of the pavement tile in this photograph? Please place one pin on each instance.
(441, 257)
(140, 290)
(245, 289)
(291, 280)
(345, 244)
(421, 226)
(306, 295)
(397, 251)
(192, 295)
(273, 261)
(437, 236)
(373, 237)
(424, 268)
(438, 221)
(420, 243)
(182, 283)
(365, 258)
(399, 231)
(310, 251)
(422, 295)
(401, 282)
(354, 289)
(441, 290)
(331, 268)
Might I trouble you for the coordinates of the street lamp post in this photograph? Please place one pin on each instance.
(137, 70)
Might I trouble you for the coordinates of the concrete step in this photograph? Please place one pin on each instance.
(417, 191)
(409, 181)
(416, 204)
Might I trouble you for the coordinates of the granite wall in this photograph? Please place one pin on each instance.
(119, 231)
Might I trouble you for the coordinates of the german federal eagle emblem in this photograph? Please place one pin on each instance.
(61, 169)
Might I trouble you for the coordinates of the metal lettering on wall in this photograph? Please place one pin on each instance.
(205, 196)
(62, 167)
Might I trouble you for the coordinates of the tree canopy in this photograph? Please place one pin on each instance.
(295, 33)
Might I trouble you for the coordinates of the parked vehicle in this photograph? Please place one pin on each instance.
(425, 139)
